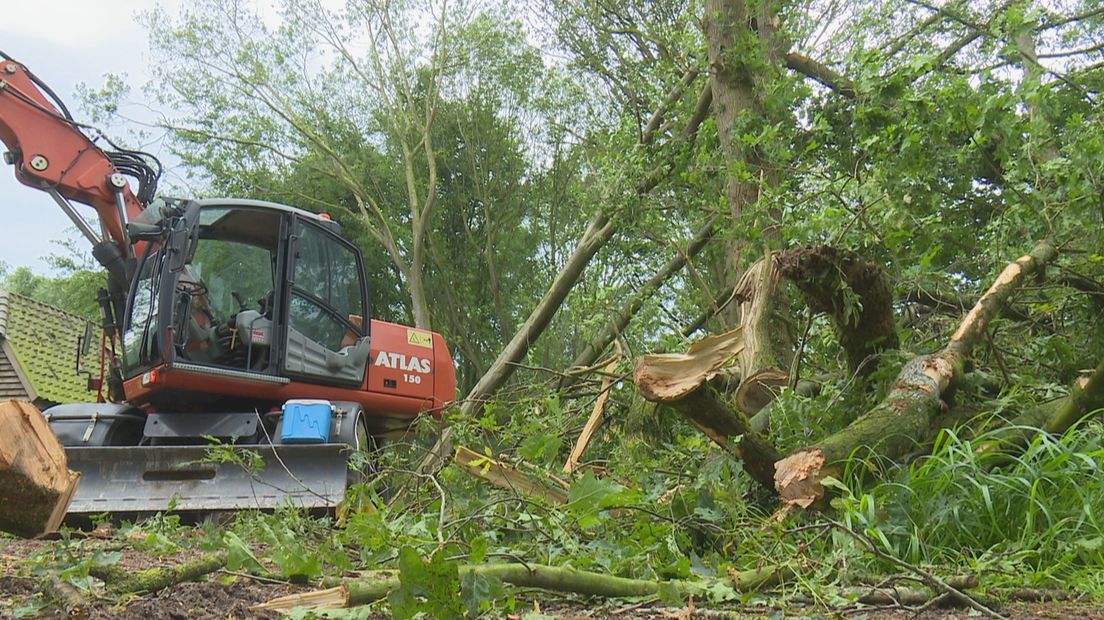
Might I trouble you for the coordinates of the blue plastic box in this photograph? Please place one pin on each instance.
(306, 421)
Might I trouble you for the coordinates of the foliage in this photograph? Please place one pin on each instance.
(465, 150)
(72, 287)
(1035, 521)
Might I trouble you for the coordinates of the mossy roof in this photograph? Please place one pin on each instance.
(44, 340)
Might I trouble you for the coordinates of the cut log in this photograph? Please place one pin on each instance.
(505, 477)
(36, 484)
(902, 421)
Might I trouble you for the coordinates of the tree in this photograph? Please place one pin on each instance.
(299, 95)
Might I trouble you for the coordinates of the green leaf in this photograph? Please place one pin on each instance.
(670, 595)
(430, 587)
(479, 546)
(587, 497)
(238, 555)
(479, 592)
(540, 448)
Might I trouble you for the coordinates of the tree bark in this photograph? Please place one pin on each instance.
(35, 482)
(904, 419)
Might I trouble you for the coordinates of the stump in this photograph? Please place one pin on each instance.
(36, 484)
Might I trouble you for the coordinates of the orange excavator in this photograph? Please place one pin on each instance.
(241, 364)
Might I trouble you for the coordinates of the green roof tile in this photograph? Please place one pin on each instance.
(44, 340)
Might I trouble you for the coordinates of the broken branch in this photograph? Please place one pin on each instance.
(894, 427)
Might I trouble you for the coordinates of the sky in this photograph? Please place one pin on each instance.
(64, 42)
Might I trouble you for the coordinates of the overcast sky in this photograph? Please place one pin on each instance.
(64, 42)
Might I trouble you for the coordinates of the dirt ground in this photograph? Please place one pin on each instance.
(228, 596)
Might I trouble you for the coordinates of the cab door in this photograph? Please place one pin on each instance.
(326, 334)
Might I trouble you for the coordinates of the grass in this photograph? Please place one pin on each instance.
(1036, 519)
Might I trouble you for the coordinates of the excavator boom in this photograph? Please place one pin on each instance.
(51, 152)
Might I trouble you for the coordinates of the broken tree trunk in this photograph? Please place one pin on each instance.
(35, 482)
(762, 362)
(378, 584)
(596, 416)
(679, 381)
(904, 419)
(730, 429)
(863, 322)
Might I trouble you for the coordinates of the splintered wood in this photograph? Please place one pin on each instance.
(35, 482)
(670, 376)
(503, 476)
(596, 415)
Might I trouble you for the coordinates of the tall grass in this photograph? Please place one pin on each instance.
(1037, 515)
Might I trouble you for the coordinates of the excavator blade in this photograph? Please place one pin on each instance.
(187, 478)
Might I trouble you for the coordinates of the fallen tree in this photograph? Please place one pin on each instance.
(903, 420)
(376, 585)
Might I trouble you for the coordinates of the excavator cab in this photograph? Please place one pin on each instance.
(250, 287)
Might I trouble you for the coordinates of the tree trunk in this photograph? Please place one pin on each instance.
(722, 424)
(35, 482)
(904, 419)
(679, 380)
(599, 231)
(742, 58)
(765, 357)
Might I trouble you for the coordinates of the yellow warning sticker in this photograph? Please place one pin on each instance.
(419, 339)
